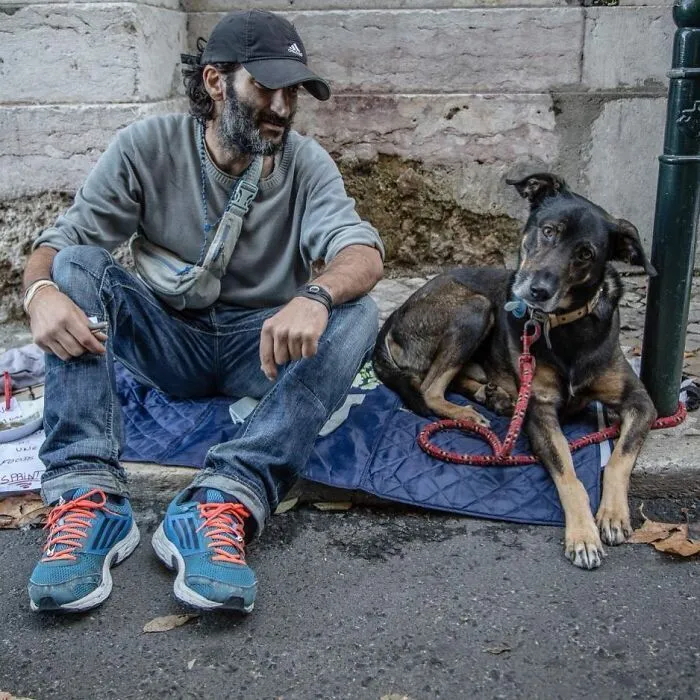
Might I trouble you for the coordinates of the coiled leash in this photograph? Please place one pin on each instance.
(502, 450)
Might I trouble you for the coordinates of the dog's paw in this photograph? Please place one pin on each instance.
(583, 547)
(614, 524)
(498, 400)
(468, 413)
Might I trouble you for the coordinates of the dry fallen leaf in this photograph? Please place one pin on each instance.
(18, 511)
(394, 696)
(678, 543)
(284, 506)
(168, 622)
(673, 538)
(328, 506)
(190, 664)
(652, 531)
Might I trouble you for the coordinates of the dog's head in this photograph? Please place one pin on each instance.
(566, 245)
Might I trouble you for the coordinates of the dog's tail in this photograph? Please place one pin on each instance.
(403, 382)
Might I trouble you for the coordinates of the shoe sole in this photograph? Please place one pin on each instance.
(168, 553)
(116, 555)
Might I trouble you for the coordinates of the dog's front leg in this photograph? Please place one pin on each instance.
(637, 413)
(582, 541)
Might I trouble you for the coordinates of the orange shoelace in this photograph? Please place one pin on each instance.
(225, 522)
(69, 523)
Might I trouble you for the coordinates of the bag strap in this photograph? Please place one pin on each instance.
(246, 189)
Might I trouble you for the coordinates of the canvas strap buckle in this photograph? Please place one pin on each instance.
(244, 195)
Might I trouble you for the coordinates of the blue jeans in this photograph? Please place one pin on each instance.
(191, 354)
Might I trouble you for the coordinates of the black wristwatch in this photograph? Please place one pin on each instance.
(317, 293)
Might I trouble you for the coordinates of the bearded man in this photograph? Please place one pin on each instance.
(226, 209)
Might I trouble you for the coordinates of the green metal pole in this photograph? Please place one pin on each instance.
(676, 218)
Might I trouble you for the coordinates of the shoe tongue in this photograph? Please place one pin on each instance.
(77, 493)
(205, 495)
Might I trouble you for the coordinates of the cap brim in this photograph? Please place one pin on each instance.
(275, 73)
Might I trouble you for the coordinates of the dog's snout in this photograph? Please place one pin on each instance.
(540, 293)
(540, 289)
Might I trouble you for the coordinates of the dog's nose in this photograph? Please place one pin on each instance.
(540, 293)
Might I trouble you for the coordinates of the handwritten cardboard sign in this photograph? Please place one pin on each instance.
(20, 466)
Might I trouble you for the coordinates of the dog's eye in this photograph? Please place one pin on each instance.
(585, 254)
(548, 231)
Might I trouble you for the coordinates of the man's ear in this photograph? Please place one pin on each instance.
(536, 187)
(213, 83)
(626, 246)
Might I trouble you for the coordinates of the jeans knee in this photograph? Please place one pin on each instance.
(77, 268)
(358, 323)
(365, 317)
(88, 258)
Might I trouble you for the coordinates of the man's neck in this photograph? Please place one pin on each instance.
(233, 163)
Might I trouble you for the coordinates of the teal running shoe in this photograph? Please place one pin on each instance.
(205, 543)
(89, 532)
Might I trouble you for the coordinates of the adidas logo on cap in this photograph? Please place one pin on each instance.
(293, 48)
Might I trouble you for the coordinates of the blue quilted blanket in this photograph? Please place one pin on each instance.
(368, 445)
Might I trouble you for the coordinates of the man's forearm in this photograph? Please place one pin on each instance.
(39, 265)
(352, 273)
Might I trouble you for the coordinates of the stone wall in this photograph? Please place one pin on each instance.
(435, 103)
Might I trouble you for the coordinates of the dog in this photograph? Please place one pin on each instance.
(455, 332)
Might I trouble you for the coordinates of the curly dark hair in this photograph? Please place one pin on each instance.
(201, 104)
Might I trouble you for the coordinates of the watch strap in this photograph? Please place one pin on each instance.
(317, 293)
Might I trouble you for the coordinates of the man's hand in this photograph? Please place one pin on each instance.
(292, 333)
(61, 327)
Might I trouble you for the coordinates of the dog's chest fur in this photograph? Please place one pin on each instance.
(579, 355)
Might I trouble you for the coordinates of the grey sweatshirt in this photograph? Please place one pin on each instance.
(148, 181)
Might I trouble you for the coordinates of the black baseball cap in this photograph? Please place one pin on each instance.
(268, 47)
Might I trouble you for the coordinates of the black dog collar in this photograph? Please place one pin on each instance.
(317, 293)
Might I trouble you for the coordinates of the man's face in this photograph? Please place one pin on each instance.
(255, 120)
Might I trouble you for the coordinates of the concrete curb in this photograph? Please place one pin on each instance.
(669, 464)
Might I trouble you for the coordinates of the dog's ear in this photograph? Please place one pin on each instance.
(536, 187)
(626, 246)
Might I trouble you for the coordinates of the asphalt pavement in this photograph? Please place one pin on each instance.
(373, 603)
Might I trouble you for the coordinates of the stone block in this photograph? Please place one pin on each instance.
(90, 53)
(622, 169)
(8, 7)
(429, 170)
(475, 140)
(668, 4)
(316, 5)
(437, 51)
(53, 147)
(627, 47)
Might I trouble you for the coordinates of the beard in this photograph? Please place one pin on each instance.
(239, 127)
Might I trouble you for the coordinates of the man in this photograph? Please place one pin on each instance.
(229, 209)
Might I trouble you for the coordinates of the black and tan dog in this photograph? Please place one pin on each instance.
(455, 332)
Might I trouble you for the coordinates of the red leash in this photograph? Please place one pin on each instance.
(502, 450)
(7, 389)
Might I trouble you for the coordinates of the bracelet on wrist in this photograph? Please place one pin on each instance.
(32, 290)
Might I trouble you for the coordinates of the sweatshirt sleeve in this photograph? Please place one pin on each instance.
(330, 221)
(107, 207)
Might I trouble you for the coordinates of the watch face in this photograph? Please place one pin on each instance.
(314, 288)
